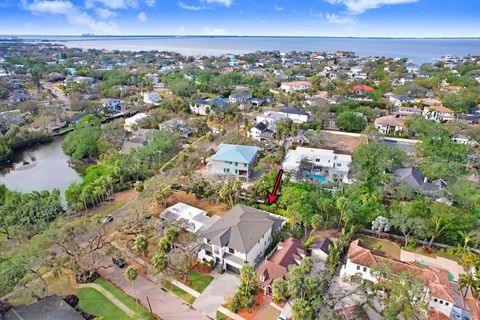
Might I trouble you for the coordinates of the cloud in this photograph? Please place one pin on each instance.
(150, 3)
(314, 13)
(360, 6)
(113, 4)
(226, 3)
(333, 18)
(278, 8)
(142, 17)
(72, 13)
(105, 13)
(186, 6)
(214, 31)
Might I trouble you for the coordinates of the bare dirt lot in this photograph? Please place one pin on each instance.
(342, 143)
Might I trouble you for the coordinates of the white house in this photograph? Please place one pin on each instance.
(271, 118)
(398, 99)
(241, 236)
(260, 132)
(295, 86)
(298, 115)
(133, 120)
(318, 164)
(439, 113)
(151, 98)
(439, 291)
(389, 125)
(198, 220)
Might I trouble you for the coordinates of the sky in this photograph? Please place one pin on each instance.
(345, 18)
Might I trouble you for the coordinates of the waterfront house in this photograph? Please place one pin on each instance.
(233, 159)
(318, 164)
(288, 252)
(241, 236)
(137, 139)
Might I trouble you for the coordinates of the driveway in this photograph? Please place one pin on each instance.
(216, 294)
(164, 304)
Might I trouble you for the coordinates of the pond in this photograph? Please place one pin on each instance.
(42, 167)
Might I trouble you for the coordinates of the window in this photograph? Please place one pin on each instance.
(317, 160)
(236, 171)
(446, 303)
(435, 300)
(244, 164)
(364, 269)
(231, 250)
(236, 163)
(358, 267)
(339, 164)
(441, 301)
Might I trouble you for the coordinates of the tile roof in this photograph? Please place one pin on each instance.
(389, 121)
(235, 153)
(474, 307)
(435, 279)
(288, 253)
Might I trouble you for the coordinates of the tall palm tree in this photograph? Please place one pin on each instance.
(160, 262)
(467, 281)
(131, 275)
(141, 244)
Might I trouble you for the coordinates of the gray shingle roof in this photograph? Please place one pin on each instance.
(411, 176)
(241, 228)
(50, 308)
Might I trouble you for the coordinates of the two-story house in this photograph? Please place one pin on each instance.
(318, 164)
(295, 86)
(233, 159)
(297, 115)
(389, 125)
(241, 236)
(439, 292)
(439, 113)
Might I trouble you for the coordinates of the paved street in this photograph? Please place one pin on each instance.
(222, 287)
(164, 304)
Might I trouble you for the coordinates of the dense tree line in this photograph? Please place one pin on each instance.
(18, 138)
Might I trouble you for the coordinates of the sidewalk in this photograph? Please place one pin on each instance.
(163, 304)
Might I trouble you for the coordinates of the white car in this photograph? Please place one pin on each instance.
(108, 219)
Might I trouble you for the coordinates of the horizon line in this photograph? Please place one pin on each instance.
(88, 35)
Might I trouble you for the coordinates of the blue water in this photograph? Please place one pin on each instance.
(317, 177)
(417, 50)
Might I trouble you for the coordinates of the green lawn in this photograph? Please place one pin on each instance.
(93, 302)
(120, 295)
(185, 296)
(199, 281)
(391, 249)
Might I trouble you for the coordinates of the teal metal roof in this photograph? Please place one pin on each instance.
(235, 153)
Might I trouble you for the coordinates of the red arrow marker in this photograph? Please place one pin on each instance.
(272, 196)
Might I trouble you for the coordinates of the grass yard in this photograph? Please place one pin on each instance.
(185, 296)
(391, 249)
(93, 302)
(199, 281)
(120, 295)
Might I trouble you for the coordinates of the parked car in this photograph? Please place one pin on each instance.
(108, 219)
(119, 262)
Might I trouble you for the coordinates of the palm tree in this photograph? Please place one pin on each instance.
(160, 262)
(467, 281)
(467, 236)
(162, 194)
(141, 244)
(341, 205)
(131, 275)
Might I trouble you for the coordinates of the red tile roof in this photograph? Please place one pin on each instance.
(289, 252)
(435, 279)
(362, 87)
(474, 307)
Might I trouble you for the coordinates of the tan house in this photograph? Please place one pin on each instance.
(389, 125)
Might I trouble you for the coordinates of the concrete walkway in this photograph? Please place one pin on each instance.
(164, 305)
(185, 288)
(230, 314)
(110, 297)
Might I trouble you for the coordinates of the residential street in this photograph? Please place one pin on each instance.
(164, 304)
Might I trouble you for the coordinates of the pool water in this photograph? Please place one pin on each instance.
(317, 177)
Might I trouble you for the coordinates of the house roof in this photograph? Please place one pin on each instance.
(474, 307)
(321, 244)
(389, 121)
(235, 153)
(362, 87)
(289, 252)
(411, 176)
(440, 109)
(241, 228)
(50, 308)
(293, 110)
(435, 279)
(261, 126)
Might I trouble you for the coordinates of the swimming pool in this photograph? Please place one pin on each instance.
(317, 177)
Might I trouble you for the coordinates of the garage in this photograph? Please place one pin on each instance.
(231, 268)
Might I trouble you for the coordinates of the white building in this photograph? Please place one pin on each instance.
(389, 125)
(151, 98)
(241, 236)
(198, 220)
(132, 121)
(438, 289)
(295, 86)
(439, 113)
(297, 115)
(271, 118)
(320, 164)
